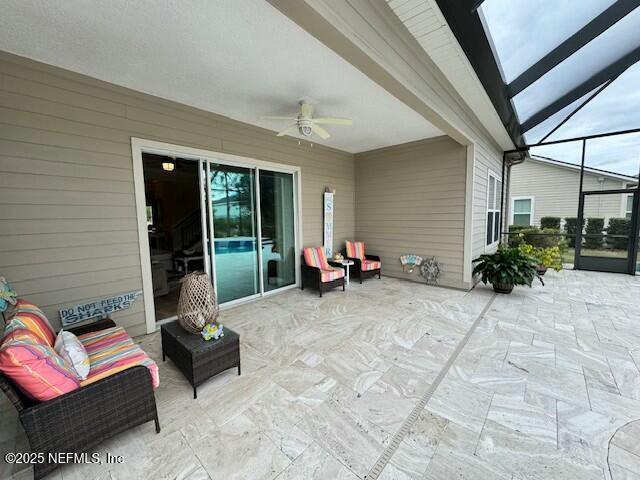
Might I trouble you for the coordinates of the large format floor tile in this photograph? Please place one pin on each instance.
(332, 386)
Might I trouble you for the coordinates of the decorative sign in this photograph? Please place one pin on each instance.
(328, 224)
(100, 308)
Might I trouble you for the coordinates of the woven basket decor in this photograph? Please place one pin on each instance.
(198, 305)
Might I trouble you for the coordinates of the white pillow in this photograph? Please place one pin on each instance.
(69, 347)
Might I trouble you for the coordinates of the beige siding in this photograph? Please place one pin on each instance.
(486, 160)
(410, 199)
(556, 189)
(69, 231)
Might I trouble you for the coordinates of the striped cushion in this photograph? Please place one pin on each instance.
(111, 351)
(331, 273)
(29, 317)
(367, 265)
(355, 249)
(315, 257)
(34, 367)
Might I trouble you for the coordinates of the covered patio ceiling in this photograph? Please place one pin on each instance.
(242, 60)
(554, 70)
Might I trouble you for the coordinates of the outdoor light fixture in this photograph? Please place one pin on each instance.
(168, 166)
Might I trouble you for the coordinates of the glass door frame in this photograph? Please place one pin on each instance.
(257, 166)
(140, 146)
(609, 264)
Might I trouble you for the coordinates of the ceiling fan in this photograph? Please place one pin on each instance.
(306, 124)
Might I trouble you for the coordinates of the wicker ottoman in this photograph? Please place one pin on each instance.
(196, 358)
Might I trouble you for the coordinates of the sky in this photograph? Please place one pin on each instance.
(523, 31)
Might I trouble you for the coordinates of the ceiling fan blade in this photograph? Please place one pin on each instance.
(269, 117)
(289, 129)
(333, 121)
(321, 132)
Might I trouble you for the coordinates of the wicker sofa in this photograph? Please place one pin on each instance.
(81, 419)
(318, 272)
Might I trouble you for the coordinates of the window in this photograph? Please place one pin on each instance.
(494, 208)
(522, 211)
(628, 207)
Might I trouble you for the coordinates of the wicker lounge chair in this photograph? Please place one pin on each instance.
(363, 265)
(318, 272)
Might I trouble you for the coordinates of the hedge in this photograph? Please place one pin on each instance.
(595, 227)
(531, 236)
(619, 226)
(570, 229)
(550, 222)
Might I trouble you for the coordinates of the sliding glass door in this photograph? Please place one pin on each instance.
(235, 233)
(251, 219)
(277, 224)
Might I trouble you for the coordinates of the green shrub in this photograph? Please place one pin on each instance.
(548, 257)
(619, 226)
(593, 232)
(517, 228)
(550, 222)
(547, 238)
(570, 229)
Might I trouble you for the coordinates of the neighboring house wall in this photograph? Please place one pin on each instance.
(68, 221)
(410, 199)
(555, 191)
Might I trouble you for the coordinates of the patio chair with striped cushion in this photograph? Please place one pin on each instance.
(318, 272)
(363, 265)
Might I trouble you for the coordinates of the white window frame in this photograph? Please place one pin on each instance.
(513, 208)
(497, 178)
(625, 203)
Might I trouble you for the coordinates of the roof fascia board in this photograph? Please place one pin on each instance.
(569, 166)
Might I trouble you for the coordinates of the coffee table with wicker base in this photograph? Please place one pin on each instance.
(196, 358)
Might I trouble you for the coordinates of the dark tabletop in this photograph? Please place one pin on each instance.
(194, 341)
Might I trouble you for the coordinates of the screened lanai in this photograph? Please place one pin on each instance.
(564, 77)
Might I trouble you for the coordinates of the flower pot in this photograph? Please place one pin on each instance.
(503, 287)
(541, 269)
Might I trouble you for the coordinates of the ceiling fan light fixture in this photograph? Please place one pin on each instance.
(305, 124)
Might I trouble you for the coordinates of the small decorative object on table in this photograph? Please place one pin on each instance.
(198, 305)
(338, 257)
(431, 269)
(212, 330)
(409, 262)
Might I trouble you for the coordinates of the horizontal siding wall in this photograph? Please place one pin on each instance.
(67, 211)
(556, 191)
(410, 199)
(486, 159)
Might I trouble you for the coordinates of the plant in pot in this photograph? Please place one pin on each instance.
(506, 268)
(545, 257)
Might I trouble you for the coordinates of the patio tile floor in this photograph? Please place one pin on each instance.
(546, 379)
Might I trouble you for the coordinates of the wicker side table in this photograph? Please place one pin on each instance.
(196, 358)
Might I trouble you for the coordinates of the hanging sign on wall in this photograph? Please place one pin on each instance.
(99, 308)
(328, 224)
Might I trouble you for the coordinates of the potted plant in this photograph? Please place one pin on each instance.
(506, 268)
(545, 257)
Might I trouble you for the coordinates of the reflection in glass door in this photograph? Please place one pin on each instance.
(277, 229)
(235, 236)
